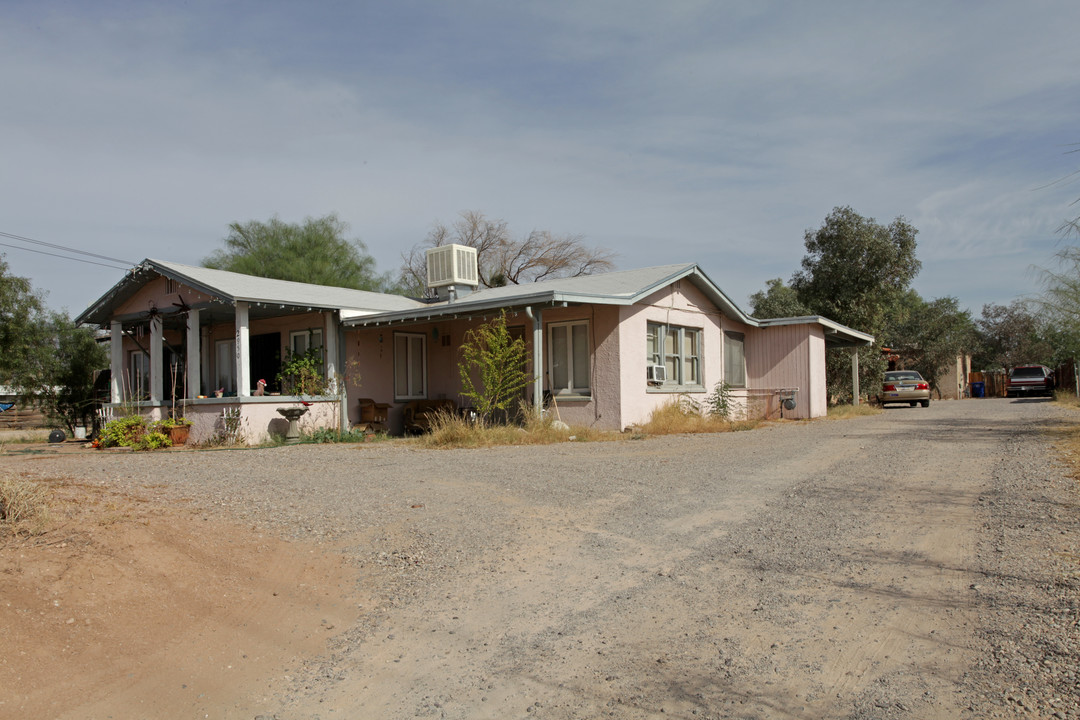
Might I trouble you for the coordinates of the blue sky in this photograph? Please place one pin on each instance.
(707, 132)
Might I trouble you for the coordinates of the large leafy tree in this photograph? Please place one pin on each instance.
(23, 323)
(502, 258)
(856, 269)
(777, 300)
(1013, 334)
(67, 391)
(1059, 304)
(931, 333)
(315, 251)
(44, 357)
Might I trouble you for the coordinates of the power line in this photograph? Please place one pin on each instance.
(64, 257)
(125, 264)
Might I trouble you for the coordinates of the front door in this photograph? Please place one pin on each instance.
(265, 359)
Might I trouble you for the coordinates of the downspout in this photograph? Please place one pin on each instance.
(538, 360)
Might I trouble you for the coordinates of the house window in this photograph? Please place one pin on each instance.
(301, 341)
(734, 359)
(676, 348)
(225, 365)
(410, 366)
(568, 358)
(138, 375)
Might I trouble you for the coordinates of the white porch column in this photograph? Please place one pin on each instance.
(330, 350)
(243, 361)
(156, 344)
(538, 359)
(204, 360)
(855, 376)
(194, 355)
(116, 362)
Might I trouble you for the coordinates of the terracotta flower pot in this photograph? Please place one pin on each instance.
(179, 434)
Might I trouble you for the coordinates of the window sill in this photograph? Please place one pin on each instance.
(573, 398)
(669, 389)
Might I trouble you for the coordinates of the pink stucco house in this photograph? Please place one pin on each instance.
(606, 349)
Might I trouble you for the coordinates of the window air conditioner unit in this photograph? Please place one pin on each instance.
(656, 374)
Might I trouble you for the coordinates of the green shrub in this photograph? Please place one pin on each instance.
(133, 432)
(123, 432)
(492, 368)
(718, 401)
(302, 373)
(153, 440)
(172, 422)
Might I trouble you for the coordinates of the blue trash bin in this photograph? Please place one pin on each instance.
(978, 389)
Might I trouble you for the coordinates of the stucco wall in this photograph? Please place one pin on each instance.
(679, 304)
(370, 359)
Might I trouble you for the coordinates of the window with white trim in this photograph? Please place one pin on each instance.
(301, 340)
(676, 348)
(568, 358)
(734, 359)
(410, 366)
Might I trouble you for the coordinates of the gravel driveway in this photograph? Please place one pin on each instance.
(920, 563)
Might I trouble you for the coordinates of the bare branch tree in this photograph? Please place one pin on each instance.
(540, 255)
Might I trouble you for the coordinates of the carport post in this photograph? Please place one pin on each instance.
(854, 376)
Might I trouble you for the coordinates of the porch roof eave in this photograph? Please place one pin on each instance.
(466, 309)
(836, 335)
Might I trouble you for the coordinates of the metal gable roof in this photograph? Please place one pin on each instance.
(624, 287)
(235, 287)
(362, 308)
(615, 288)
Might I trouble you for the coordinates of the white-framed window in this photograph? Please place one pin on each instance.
(138, 375)
(410, 366)
(676, 348)
(301, 340)
(568, 358)
(734, 359)
(225, 365)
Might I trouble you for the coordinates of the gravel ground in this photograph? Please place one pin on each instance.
(920, 563)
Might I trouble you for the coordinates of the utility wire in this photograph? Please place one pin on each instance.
(64, 257)
(126, 265)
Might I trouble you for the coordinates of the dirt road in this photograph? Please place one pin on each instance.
(894, 566)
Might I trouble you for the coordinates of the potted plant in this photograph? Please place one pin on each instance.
(177, 429)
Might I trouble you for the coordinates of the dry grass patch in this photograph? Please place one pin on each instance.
(452, 431)
(24, 506)
(1067, 398)
(679, 417)
(843, 412)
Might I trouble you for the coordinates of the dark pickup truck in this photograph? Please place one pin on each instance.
(1030, 380)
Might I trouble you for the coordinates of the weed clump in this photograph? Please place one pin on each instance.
(683, 416)
(24, 506)
(449, 430)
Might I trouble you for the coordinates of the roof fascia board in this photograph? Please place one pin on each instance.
(851, 337)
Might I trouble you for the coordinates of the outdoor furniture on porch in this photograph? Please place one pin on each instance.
(373, 415)
(420, 413)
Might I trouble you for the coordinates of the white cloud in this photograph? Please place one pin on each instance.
(693, 131)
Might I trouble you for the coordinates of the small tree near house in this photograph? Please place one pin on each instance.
(492, 368)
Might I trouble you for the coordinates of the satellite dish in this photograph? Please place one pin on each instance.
(57, 436)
